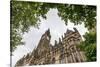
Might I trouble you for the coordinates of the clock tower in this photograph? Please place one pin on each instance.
(44, 44)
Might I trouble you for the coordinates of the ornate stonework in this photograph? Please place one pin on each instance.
(64, 51)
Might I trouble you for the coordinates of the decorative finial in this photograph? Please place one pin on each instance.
(55, 42)
(75, 29)
(62, 36)
(59, 40)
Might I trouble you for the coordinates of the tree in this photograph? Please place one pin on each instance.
(23, 16)
(78, 14)
(89, 46)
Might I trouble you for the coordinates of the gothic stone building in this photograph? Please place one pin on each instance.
(64, 51)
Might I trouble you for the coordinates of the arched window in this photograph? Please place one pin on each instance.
(53, 60)
(76, 59)
(62, 59)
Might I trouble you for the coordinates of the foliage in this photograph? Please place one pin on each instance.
(23, 16)
(78, 14)
(89, 46)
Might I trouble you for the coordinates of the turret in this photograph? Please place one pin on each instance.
(68, 31)
(75, 29)
(44, 43)
(62, 37)
(48, 33)
(55, 42)
(59, 40)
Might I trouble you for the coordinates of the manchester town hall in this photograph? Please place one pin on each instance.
(63, 51)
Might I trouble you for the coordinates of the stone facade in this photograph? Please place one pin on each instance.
(64, 51)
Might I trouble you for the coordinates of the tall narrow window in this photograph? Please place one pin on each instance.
(53, 60)
(62, 59)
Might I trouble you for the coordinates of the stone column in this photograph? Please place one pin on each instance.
(77, 54)
(73, 56)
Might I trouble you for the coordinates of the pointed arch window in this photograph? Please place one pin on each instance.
(53, 60)
(62, 59)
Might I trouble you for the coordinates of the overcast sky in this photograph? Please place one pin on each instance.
(57, 29)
